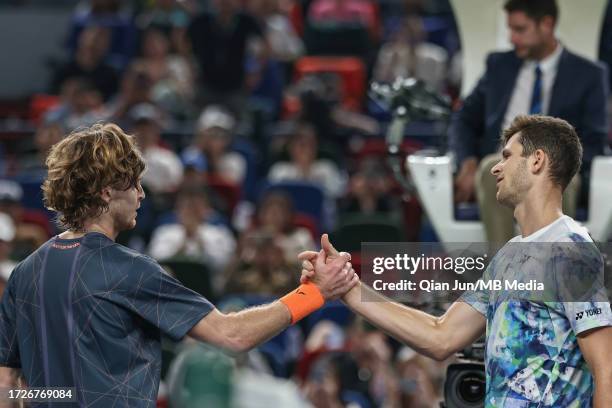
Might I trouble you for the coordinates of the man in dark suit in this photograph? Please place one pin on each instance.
(539, 76)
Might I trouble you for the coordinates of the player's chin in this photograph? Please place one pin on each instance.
(131, 224)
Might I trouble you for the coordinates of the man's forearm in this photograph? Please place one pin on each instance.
(255, 325)
(417, 329)
(8, 379)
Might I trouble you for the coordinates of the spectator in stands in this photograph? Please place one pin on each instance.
(192, 236)
(407, 54)
(219, 42)
(416, 387)
(32, 226)
(261, 267)
(321, 105)
(88, 63)
(275, 216)
(32, 165)
(285, 44)
(368, 190)
(106, 13)
(350, 364)
(172, 17)
(305, 166)
(171, 74)
(210, 149)
(82, 105)
(136, 87)
(539, 76)
(7, 234)
(164, 171)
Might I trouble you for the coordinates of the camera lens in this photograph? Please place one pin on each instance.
(465, 385)
(471, 388)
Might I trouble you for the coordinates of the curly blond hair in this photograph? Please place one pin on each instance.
(84, 163)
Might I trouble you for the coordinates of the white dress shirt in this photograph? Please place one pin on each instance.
(520, 101)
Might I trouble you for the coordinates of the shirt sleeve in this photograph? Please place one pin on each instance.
(479, 298)
(578, 269)
(9, 347)
(162, 300)
(585, 316)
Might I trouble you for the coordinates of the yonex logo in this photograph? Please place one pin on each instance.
(589, 313)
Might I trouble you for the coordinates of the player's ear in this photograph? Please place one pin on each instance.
(538, 161)
(106, 194)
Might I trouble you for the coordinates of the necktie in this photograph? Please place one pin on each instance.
(536, 96)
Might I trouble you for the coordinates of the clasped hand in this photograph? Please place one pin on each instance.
(329, 269)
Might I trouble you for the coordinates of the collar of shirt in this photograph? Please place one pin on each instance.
(548, 64)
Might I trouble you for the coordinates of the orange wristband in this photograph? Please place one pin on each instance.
(304, 300)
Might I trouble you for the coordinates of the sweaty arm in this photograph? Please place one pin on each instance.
(435, 337)
(595, 347)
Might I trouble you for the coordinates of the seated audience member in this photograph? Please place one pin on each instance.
(7, 234)
(32, 164)
(172, 17)
(219, 40)
(210, 147)
(106, 13)
(192, 236)
(407, 54)
(171, 74)
(88, 63)
(350, 365)
(285, 45)
(164, 172)
(82, 105)
(136, 87)
(305, 166)
(368, 191)
(32, 227)
(416, 374)
(261, 267)
(322, 105)
(275, 217)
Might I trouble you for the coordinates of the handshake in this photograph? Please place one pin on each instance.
(331, 271)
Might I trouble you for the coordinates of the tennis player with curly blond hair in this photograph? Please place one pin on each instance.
(86, 313)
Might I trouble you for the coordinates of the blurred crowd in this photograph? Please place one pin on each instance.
(254, 122)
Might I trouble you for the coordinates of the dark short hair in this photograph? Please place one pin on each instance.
(535, 9)
(557, 138)
(84, 163)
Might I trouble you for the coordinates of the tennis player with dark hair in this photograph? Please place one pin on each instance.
(83, 311)
(538, 353)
